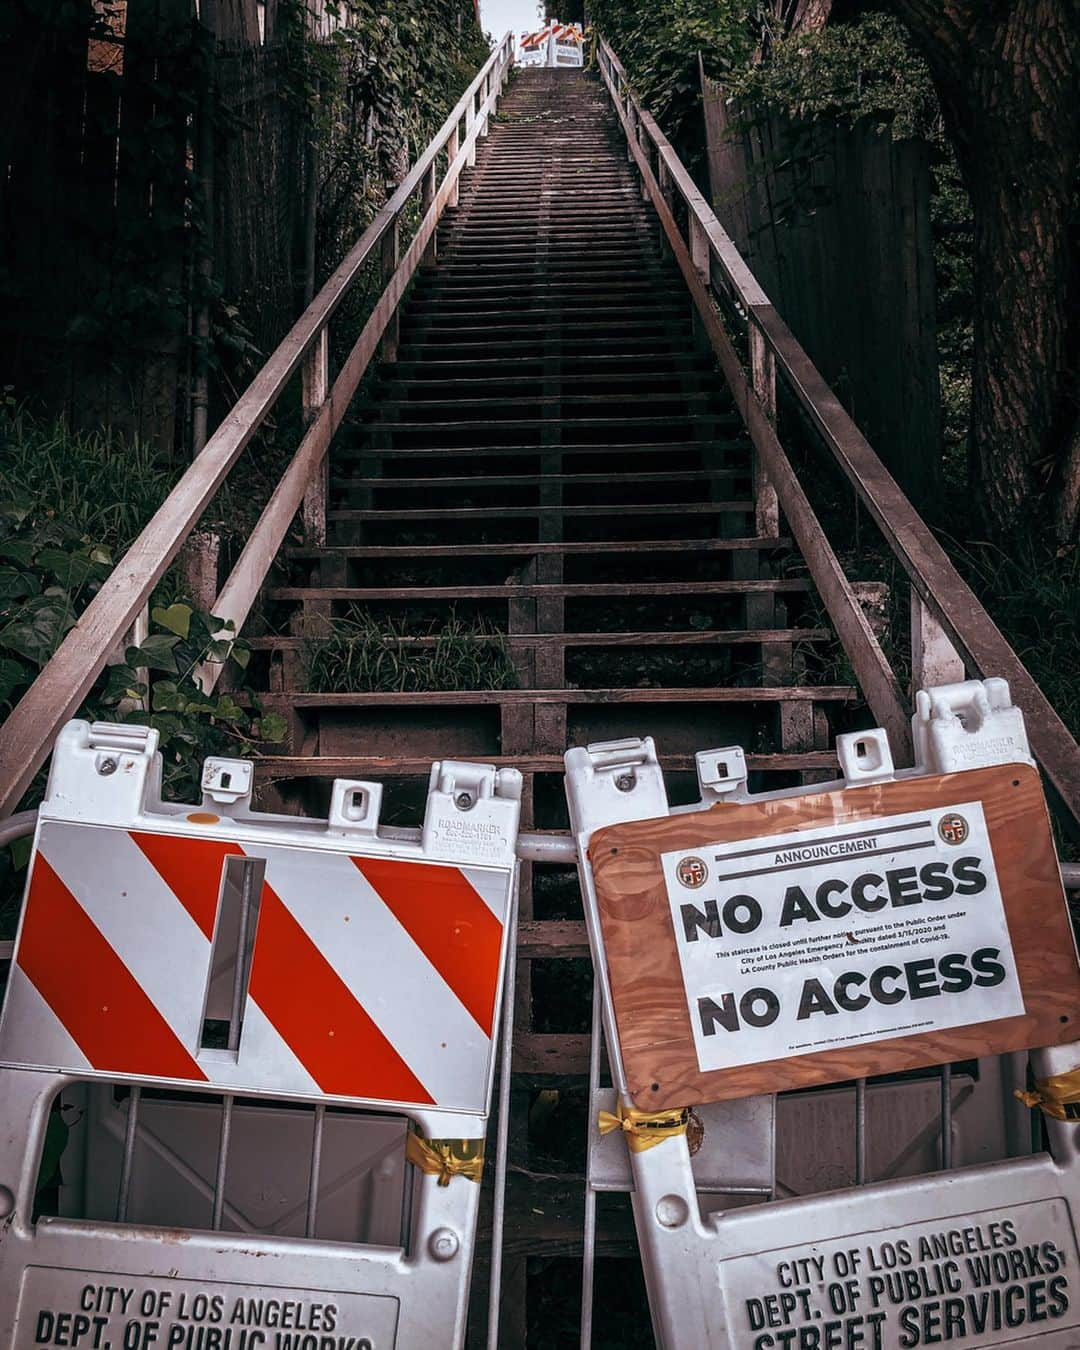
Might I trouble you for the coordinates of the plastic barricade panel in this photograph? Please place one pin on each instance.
(980, 1256)
(219, 959)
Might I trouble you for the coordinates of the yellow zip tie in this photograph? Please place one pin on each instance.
(1057, 1096)
(446, 1158)
(644, 1129)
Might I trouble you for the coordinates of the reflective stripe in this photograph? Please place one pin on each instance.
(90, 989)
(449, 922)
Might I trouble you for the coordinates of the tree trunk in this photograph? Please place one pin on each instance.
(1007, 77)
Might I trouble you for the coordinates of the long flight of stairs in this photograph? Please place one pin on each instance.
(552, 452)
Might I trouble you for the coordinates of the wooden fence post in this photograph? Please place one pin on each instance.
(315, 378)
(763, 376)
(389, 258)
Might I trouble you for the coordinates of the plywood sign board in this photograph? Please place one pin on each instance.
(757, 947)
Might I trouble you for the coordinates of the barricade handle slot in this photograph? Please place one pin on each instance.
(230, 953)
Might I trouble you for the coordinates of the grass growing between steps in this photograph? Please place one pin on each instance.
(363, 653)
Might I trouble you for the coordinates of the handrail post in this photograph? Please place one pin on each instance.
(427, 196)
(763, 377)
(389, 253)
(699, 249)
(315, 382)
(135, 636)
(484, 97)
(934, 659)
(667, 190)
(470, 121)
(453, 145)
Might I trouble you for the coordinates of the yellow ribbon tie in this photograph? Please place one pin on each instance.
(644, 1129)
(1057, 1096)
(446, 1158)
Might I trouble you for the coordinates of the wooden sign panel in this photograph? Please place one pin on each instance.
(757, 947)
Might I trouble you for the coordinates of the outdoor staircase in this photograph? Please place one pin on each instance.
(552, 452)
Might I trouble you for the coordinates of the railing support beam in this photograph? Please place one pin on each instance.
(315, 375)
(390, 256)
(763, 379)
(934, 660)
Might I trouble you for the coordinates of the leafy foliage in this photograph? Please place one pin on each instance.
(363, 652)
(659, 46)
(867, 68)
(69, 503)
(380, 88)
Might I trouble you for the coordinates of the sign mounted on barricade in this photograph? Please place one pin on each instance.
(268, 966)
(926, 901)
(815, 937)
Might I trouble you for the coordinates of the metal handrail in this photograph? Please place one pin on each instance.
(941, 599)
(27, 736)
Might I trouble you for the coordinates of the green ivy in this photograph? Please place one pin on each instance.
(48, 574)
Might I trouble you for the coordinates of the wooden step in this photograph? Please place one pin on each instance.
(695, 637)
(511, 408)
(346, 452)
(488, 481)
(455, 426)
(545, 323)
(407, 375)
(419, 766)
(826, 693)
(506, 349)
(355, 515)
(449, 284)
(545, 590)
(389, 552)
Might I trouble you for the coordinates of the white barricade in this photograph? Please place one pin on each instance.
(288, 973)
(976, 1256)
(558, 44)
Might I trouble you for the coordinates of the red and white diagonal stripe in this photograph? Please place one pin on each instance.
(371, 979)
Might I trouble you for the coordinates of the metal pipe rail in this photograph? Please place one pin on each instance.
(555, 846)
(951, 631)
(27, 736)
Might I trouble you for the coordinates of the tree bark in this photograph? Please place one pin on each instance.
(1007, 75)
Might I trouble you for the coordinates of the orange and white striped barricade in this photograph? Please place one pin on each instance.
(752, 943)
(532, 49)
(298, 982)
(557, 44)
(566, 46)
